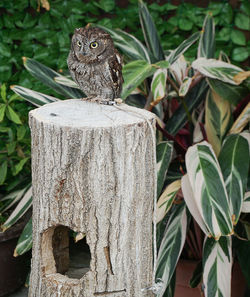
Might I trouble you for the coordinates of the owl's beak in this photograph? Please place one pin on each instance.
(82, 52)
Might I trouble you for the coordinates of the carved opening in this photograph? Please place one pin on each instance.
(60, 253)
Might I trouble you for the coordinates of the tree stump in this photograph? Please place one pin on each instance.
(93, 170)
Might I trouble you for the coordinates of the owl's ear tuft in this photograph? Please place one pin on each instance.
(88, 26)
(78, 30)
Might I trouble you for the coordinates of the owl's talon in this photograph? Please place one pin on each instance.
(109, 102)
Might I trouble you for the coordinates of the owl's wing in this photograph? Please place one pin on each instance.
(115, 67)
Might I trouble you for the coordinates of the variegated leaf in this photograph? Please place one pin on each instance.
(158, 85)
(246, 203)
(242, 120)
(183, 47)
(192, 204)
(234, 163)
(217, 119)
(166, 199)
(217, 69)
(171, 246)
(206, 46)
(128, 44)
(150, 33)
(231, 93)
(194, 97)
(63, 80)
(179, 68)
(24, 243)
(241, 76)
(12, 198)
(209, 189)
(217, 265)
(47, 76)
(134, 74)
(185, 86)
(197, 134)
(36, 98)
(20, 209)
(164, 153)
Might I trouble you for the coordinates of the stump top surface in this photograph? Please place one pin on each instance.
(78, 113)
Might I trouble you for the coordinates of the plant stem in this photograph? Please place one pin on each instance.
(179, 146)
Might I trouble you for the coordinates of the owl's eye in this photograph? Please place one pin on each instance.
(94, 44)
(79, 43)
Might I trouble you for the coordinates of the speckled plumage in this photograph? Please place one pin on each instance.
(97, 71)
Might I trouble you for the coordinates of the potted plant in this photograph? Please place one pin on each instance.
(202, 148)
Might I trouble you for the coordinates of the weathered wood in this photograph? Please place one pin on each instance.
(93, 172)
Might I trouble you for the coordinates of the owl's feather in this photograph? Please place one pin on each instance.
(98, 70)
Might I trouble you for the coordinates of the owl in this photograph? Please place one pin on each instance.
(95, 64)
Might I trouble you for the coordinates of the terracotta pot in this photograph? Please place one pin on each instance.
(184, 273)
(13, 270)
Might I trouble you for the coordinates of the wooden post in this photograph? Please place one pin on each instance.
(92, 172)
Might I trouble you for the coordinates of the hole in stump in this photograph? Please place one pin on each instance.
(60, 254)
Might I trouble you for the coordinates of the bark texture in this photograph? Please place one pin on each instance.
(93, 172)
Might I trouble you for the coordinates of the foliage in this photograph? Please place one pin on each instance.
(28, 30)
(187, 106)
(190, 102)
(14, 140)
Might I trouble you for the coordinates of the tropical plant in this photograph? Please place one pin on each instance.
(202, 150)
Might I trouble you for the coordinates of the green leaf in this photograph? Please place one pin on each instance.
(185, 24)
(242, 251)
(2, 111)
(209, 190)
(5, 50)
(11, 147)
(171, 246)
(12, 115)
(184, 46)
(150, 34)
(106, 5)
(3, 172)
(217, 69)
(21, 130)
(134, 74)
(36, 98)
(238, 37)
(197, 276)
(164, 152)
(240, 54)
(232, 93)
(20, 209)
(128, 44)
(217, 258)
(242, 21)
(47, 76)
(19, 166)
(224, 34)
(24, 243)
(206, 46)
(234, 162)
(3, 93)
(192, 100)
(245, 7)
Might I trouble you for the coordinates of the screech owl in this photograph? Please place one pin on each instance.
(95, 64)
